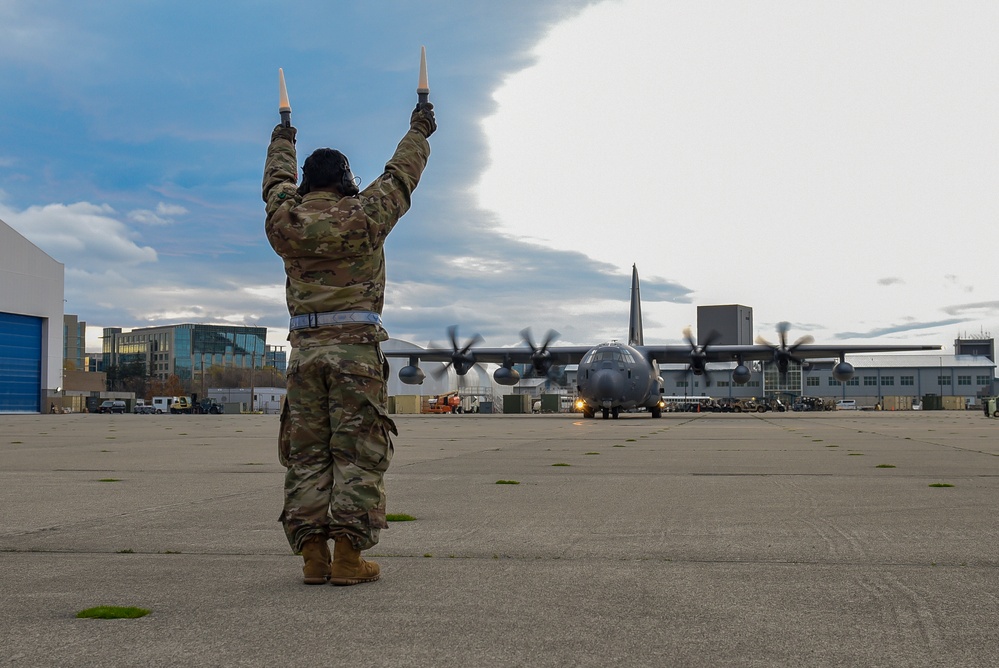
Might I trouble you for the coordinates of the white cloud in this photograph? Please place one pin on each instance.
(814, 148)
(163, 215)
(82, 235)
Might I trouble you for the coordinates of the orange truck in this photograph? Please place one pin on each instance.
(444, 403)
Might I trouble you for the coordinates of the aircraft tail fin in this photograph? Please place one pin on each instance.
(635, 335)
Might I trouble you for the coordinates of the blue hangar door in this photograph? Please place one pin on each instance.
(20, 363)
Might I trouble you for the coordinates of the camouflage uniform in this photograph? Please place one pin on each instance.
(335, 432)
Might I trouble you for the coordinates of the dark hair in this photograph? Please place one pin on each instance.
(327, 168)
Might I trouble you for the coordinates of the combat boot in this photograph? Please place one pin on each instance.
(316, 552)
(348, 567)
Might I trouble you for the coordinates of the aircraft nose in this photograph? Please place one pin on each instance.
(609, 384)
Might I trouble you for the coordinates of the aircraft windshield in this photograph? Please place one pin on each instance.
(610, 355)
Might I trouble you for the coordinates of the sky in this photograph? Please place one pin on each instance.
(830, 164)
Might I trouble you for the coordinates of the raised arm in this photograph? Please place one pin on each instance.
(281, 170)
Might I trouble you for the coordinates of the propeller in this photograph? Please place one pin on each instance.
(462, 359)
(541, 359)
(699, 354)
(783, 353)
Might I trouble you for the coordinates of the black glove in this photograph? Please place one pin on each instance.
(423, 120)
(284, 132)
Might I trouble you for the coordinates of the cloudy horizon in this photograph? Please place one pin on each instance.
(830, 164)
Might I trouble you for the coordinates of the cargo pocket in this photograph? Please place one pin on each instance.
(374, 445)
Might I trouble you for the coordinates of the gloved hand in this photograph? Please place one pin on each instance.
(284, 132)
(423, 120)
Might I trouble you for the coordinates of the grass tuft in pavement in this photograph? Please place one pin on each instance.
(112, 612)
(507, 482)
(399, 517)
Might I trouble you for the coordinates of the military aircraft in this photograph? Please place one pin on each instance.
(615, 376)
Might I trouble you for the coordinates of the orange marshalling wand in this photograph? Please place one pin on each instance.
(284, 106)
(423, 86)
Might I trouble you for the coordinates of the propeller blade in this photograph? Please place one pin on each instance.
(783, 354)
(541, 359)
(462, 357)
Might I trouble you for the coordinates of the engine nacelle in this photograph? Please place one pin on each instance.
(412, 375)
(741, 374)
(506, 376)
(843, 372)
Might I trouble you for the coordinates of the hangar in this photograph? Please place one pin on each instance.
(31, 324)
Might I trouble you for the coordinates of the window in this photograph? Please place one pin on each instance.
(681, 383)
(722, 383)
(983, 380)
(833, 382)
(907, 380)
(943, 380)
(870, 380)
(812, 381)
(853, 381)
(887, 380)
(964, 380)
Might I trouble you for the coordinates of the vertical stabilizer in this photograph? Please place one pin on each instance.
(635, 335)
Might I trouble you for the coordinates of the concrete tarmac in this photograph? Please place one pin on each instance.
(811, 539)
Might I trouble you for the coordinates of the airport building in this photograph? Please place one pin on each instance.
(185, 350)
(878, 379)
(31, 324)
(733, 324)
(74, 344)
(896, 378)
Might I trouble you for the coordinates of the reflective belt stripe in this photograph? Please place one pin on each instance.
(309, 320)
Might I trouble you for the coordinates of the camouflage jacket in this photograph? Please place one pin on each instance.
(333, 246)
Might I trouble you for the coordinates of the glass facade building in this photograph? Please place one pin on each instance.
(183, 350)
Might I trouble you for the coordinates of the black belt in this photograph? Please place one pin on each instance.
(308, 320)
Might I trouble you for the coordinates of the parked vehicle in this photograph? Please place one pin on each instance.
(172, 404)
(210, 406)
(811, 404)
(991, 406)
(112, 406)
(181, 405)
(846, 405)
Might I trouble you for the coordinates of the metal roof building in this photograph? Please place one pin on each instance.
(31, 324)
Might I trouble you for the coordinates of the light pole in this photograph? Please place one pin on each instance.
(253, 363)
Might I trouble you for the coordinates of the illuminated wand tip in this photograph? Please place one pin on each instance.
(423, 85)
(284, 106)
(283, 103)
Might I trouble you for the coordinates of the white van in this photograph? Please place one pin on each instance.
(846, 405)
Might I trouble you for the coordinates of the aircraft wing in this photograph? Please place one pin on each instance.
(681, 354)
(560, 355)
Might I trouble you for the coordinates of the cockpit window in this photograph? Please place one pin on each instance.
(611, 355)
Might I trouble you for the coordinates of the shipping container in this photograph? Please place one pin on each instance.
(405, 404)
(932, 402)
(551, 403)
(953, 403)
(516, 403)
(897, 404)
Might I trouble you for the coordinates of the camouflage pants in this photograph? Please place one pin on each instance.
(335, 442)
